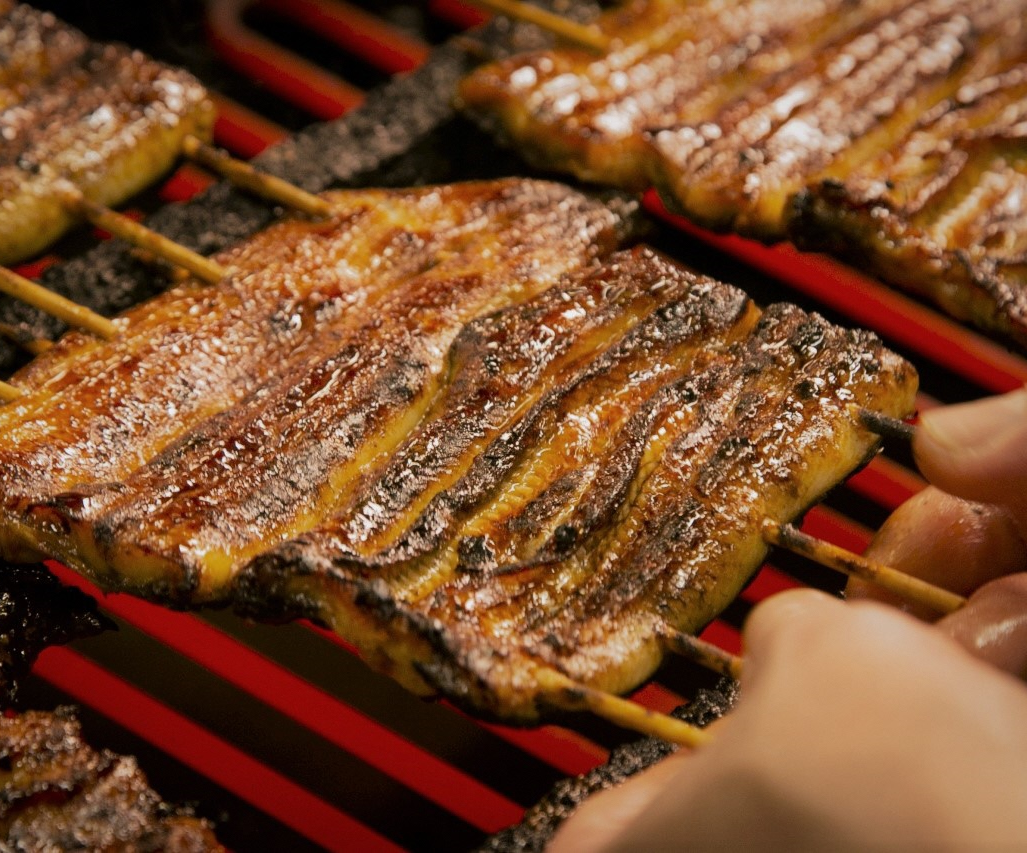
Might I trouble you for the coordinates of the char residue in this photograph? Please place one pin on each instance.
(540, 822)
(38, 611)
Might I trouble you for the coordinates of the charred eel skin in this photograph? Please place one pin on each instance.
(224, 417)
(624, 501)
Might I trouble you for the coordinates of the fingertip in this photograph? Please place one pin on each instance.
(976, 450)
(781, 614)
(993, 624)
(948, 541)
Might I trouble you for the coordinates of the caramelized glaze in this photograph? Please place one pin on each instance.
(620, 500)
(824, 117)
(673, 63)
(224, 418)
(457, 425)
(103, 117)
(943, 210)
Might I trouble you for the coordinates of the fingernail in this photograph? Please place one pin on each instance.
(978, 427)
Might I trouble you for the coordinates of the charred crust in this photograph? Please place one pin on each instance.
(475, 553)
(540, 822)
(37, 611)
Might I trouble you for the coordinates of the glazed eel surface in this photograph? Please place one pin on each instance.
(187, 425)
(943, 210)
(488, 446)
(889, 133)
(105, 118)
(732, 107)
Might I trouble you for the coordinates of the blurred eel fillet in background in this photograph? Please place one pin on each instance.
(674, 62)
(890, 131)
(943, 212)
(101, 116)
(526, 451)
(57, 793)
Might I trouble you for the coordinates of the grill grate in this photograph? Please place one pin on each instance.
(280, 734)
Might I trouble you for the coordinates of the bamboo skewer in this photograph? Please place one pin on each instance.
(8, 393)
(244, 175)
(33, 346)
(589, 37)
(53, 303)
(572, 696)
(909, 587)
(703, 653)
(145, 238)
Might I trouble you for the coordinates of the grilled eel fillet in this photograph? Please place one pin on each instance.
(824, 117)
(103, 117)
(674, 62)
(593, 476)
(57, 793)
(748, 102)
(532, 452)
(236, 409)
(943, 211)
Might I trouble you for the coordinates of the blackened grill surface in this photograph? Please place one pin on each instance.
(542, 820)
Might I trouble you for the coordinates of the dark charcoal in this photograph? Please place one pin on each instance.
(36, 611)
(541, 821)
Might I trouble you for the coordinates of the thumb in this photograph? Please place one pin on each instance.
(978, 450)
(781, 626)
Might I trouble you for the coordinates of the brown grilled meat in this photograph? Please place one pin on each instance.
(105, 118)
(35, 47)
(618, 497)
(674, 62)
(824, 117)
(525, 452)
(223, 418)
(731, 108)
(943, 211)
(57, 793)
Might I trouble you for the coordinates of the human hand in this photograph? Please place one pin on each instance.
(972, 532)
(858, 728)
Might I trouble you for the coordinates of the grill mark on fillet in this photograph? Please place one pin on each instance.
(274, 464)
(596, 607)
